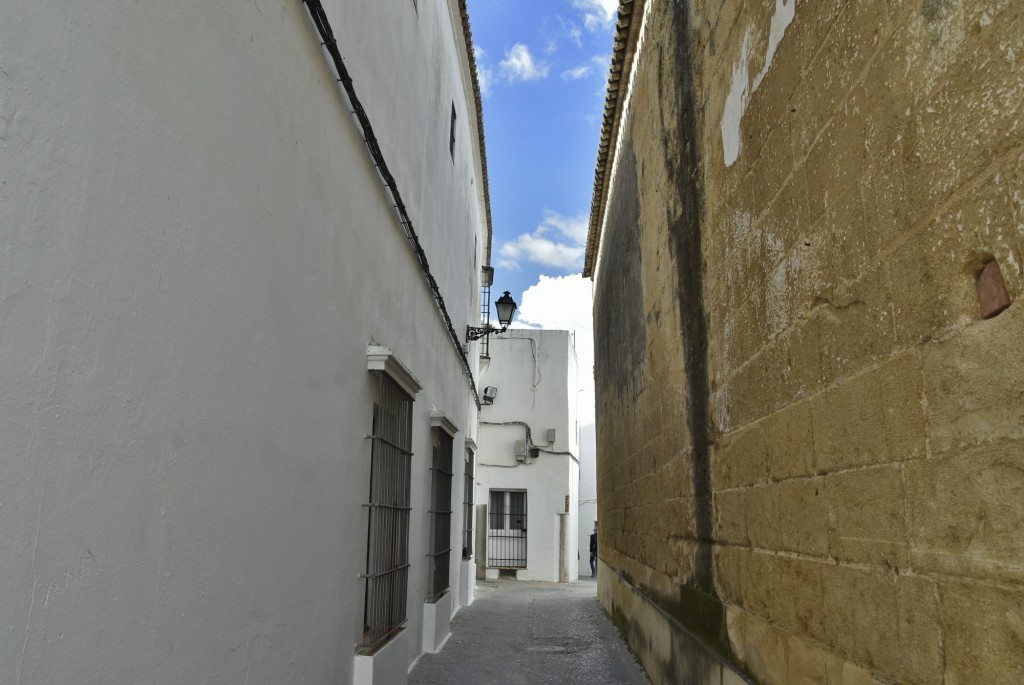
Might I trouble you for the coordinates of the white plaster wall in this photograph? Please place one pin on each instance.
(535, 373)
(195, 252)
(418, 137)
(588, 495)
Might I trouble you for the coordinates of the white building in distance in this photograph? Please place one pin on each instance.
(234, 397)
(528, 462)
(588, 494)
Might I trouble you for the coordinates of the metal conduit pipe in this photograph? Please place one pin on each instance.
(529, 438)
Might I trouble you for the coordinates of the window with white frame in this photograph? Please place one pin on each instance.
(469, 482)
(439, 556)
(387, 544)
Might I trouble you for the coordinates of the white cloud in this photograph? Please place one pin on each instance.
(484, 74)
(519, 65)
(569, 29)
(484, 77)
(577, 73)
(592, 66)
(576, 35)
(540, 250)
(566, 303)
(558, 242)
(574, 228)
(597, 14)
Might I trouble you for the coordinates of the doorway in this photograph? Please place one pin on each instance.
(506, 529)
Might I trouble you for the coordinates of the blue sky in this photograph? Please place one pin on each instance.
(543, 67)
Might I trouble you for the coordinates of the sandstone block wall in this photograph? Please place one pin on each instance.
(810, 441)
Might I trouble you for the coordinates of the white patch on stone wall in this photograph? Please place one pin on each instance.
(739, 226)
(741, 88)
(736, 103)
(1012, 261)
(722, 401)
(777, 313)
(783, 17)
(934, 45)
(774, 247)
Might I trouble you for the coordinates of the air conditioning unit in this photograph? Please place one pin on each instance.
(520, 450)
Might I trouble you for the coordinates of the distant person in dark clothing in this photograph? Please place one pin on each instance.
(593, 553)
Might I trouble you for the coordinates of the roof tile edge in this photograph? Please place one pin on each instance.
(626, 31)
(468, 34)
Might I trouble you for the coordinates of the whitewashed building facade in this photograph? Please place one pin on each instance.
(235, 404)
(528, 462)
(588, 494)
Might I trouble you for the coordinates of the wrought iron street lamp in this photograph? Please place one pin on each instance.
(506, 308)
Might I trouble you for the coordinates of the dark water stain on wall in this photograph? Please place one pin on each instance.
(618, 362)
(685, 239)
(699, 636)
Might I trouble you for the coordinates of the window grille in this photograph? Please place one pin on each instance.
(441, 514)
(506, 537)
(497, 510)
(467, 507)
(517, 511)
(485, 316)
(387, 545)
(486, 279)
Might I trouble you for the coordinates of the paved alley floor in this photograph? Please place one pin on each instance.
(524, 633)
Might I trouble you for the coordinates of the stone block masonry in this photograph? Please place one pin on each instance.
(807, 243)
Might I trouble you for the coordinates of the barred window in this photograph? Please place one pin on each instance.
(387, 545)
(517, 510)
(467, 506)
(497, 510)
(439, 557)
(506, 537)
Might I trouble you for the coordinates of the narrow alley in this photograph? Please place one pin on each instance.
(340, 338)
(528, 633)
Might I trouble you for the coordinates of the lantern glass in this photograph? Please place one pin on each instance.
(506, 307)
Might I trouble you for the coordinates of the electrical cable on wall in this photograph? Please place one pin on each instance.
(565, 454)
(529, 440)
(529, 433)
(319, 16)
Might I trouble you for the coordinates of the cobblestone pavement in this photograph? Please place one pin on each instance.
(523, 633)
